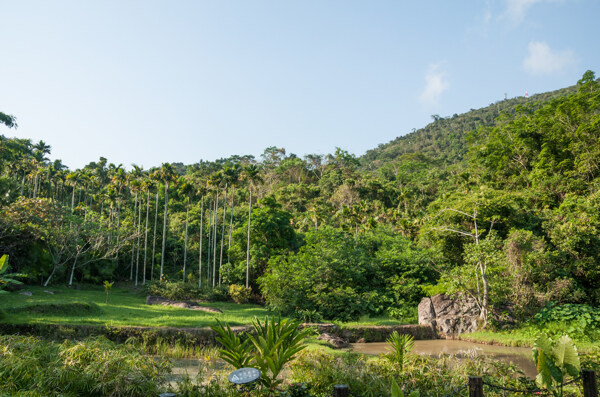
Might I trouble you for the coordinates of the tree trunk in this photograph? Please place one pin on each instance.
(485, 301)
(187, 214)
(215, 232)
(200, 248)
(132, 243)
(248, 244)
(139, 235)
(164, 237)
(50, 276)
(146, 236)
(230, 226)
(223, 235)
(73, 270)
(154, 239)
(209, 246)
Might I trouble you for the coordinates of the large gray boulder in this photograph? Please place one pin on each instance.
(450, 317)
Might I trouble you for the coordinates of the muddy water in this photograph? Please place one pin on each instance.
(520, 356)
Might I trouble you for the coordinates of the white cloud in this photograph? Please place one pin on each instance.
(543, 60)
(516, 9)
(435, 84)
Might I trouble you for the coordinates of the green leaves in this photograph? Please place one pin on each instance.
(271, 346)
(3, 264)
(6, 279)
(555, 360)
(400, 347)
(234, 352)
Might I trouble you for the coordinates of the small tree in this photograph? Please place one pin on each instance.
(107, 287)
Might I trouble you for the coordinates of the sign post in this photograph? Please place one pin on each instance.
(244, 377)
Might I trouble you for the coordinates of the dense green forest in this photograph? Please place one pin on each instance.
(499, 203)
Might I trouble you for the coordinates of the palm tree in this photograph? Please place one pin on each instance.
(223, 234)
(200, 243)
(168, 176)
(252, 175)
(185, 189)
(147, 184)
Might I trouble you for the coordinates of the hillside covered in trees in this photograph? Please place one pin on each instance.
(499, 203)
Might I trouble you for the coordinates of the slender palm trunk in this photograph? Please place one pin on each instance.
(22, 185)
(154, 238)
(248, 244)
(216, 221)
(164, 237)
(209, 245)
(146, 236)
(118, 229)
(73, 200)
(132, 243)
(139, 234)
(223, 235)
(187, 214)
(200, 250)
(230, 225)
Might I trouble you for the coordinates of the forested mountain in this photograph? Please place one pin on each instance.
(445, 138)
(499, 203)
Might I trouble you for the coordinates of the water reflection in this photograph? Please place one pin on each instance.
(520, 356)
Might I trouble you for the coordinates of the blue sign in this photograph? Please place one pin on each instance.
(244, 375)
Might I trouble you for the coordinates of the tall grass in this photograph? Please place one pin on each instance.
(93, 367)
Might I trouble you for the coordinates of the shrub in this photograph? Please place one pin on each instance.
(239, 293)
(581, 321)
(270, 347)
(180, 290)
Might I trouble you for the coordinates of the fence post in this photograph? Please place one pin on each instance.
(590, 387)
(475, 386)
(341, 391)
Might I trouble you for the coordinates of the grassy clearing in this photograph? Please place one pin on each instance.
(125, 307)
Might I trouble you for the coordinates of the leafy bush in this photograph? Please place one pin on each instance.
(308, 316)
(580, 321)
(94, 367)
(180, 290)
(343, 277)
(239, 293)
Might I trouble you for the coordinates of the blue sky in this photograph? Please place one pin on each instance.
(148, 82)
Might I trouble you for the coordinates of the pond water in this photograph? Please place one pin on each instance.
(520, 356)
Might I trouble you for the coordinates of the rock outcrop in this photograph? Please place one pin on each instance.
(334, 340)
(159, 300)
(449, 317)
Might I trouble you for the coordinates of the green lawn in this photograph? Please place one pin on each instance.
(125, 307)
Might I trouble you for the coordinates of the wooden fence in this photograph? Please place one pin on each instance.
(588, 378)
